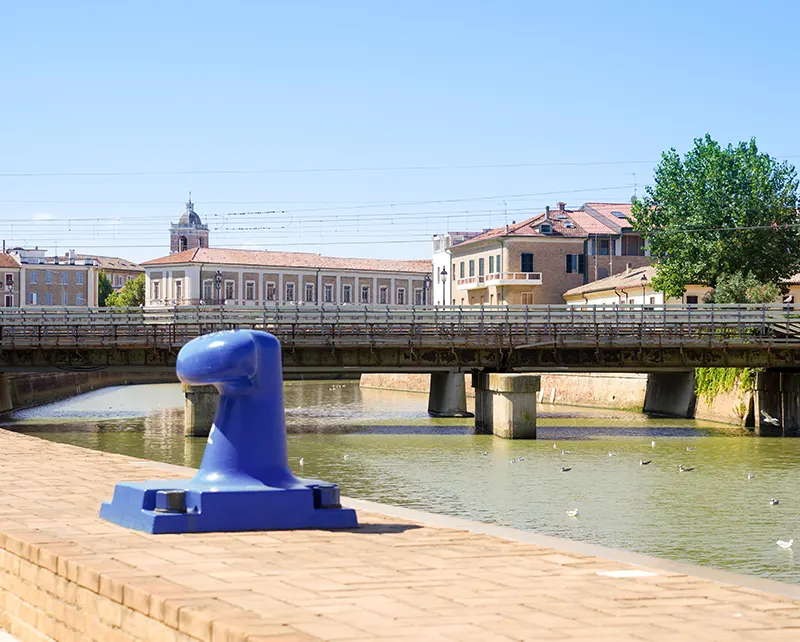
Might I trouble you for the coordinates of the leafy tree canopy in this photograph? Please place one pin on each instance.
(720, 211)
(741, 288)
(104, 288)
(131, 295)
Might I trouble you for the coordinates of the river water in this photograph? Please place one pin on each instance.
(396, 454)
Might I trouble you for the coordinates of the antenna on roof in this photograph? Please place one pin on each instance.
(634, 187)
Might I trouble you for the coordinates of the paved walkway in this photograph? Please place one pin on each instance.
(393, 578)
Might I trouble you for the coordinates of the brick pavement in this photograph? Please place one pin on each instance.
(66, 575)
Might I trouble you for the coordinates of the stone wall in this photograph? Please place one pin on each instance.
(25, 390)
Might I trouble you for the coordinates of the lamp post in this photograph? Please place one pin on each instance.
(9, 289)
(443, 279)
(644, 286)
(427, 289)
(218, 283)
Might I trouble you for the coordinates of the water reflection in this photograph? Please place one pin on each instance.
(396, 454)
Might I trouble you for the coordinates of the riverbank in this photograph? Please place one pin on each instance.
(67, 574)
(614, 391)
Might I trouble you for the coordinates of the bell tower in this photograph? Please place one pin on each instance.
(189, 232)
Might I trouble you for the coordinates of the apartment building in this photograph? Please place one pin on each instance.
(118, 270)
(248, 277)
(442, 286)
(10, 271)
(537, 260)
(55, 280)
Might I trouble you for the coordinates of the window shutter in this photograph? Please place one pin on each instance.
(581, 264)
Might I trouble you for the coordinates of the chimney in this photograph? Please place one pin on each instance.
(628, 268)
(562, 206)
(547, 213)
(506, 228)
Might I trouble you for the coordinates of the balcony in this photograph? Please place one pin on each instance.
(500, 278)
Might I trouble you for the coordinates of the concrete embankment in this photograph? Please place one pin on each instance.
(67, 575)
(25, 390)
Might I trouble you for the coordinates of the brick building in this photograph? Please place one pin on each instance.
(537, 260)
(248, 277)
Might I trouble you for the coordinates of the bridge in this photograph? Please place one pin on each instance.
(359, 339)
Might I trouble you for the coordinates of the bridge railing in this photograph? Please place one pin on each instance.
(443, 326)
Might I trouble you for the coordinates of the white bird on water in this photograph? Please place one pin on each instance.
(652, 444)
(554, 446)
(684, 469)
(690, 448)
(780, 542)
(612, 454)
(773, 502)
(565, 452)
(573, 513)
(521, 459)
(302, 461)
(513, 461)
(346, 456)
(750, 475)
(768, 419)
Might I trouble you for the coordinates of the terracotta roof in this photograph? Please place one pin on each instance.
(605, 211)
(529, 227)
(258, 258)
(7, 261)
(793, 280)
(621, 280)
(112, 263)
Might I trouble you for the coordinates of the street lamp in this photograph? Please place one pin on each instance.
(9, 289)
(218, 283)
(644, 286)
(443, 279)
(426, 291)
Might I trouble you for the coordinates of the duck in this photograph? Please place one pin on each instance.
(565, 470)
(684, 469)
(644, 462)
(773, 502)
(780, 542)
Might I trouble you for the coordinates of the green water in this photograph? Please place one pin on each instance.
(382, 446)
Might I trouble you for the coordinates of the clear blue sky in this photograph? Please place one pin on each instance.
(265, 85)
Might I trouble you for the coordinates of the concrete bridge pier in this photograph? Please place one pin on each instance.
(777, 404)
(200, 407)
(670, 394)
(505, 404)
(447, 396)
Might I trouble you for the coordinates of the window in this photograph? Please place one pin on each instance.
(181, 244)
(632, 245)
(526, 262)
(527, 298)
(9, 279)
(33, 298)
(79, 278)
(208, 290)
(546, 228)
(79, 299)
(417, 296)
(48, 277)
(309, 293)
(691, 300)
(472, 267)
(290, 292)
(347, 293)
(34, 277)
(64, 298)
(270, 291)
(576, 264)
(9, 300)
(364, 294)
(497, 264)
(401, 295)
(461, 270)
(383, 294)
(156, 290)
(491, 265)
(179, 290)
(250, 290)
(480, 267)
(652, 300)
(65, 278)
(48, 298)
(603, 247)
(229, 289)
(119, 281)
(328, 293)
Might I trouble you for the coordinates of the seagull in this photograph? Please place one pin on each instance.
(565, 470)
(302, 462)
(780, 542)
(612, 454)
(750, 475)
(769, 420)
(690, 448)
(485, 454)
(565, 452)
(652, 444)
(574, 513)
(642, 462)
(521, 459)
(773, 502)
(513, 461)
(346, 456)
(554, 446)
(684, 469)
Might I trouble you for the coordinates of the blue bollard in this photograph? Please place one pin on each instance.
(244, 482)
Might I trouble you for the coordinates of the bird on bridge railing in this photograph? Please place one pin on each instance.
(768, 419)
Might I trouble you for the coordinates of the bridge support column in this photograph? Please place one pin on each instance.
(777, 404)
(670, 394)
(505, 404)
(200, 407)
(448, 395)
(6, 403)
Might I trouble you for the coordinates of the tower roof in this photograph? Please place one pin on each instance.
(189, 218)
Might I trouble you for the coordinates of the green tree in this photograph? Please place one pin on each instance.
(131, 295)
(720, 211)
(104, 288)
(741, 288)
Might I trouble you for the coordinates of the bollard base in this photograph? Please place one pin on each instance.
(183, 506)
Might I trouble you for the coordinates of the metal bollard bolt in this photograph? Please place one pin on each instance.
(170, 501)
